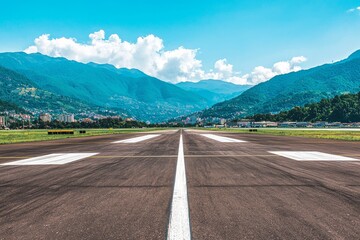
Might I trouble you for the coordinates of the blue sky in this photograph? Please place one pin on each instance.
(246, 33)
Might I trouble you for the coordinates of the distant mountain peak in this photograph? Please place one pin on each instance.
(130, 72)
(214, 90)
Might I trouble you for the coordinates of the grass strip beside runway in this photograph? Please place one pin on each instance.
(337, 134)
(18, 136)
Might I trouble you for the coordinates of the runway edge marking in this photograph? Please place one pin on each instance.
(138, 139)
(221, 138)
(51, 159)
(179, 222)
(312, 156)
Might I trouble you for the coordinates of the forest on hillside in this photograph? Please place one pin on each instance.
(341, 108)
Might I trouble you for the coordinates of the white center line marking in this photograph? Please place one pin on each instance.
(51, 159)
(311, 156)
(221, 139)
(179, 223)
(138, 139)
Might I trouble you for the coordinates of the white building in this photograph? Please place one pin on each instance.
(66, 118)
(45, 117)
(287, 124)
(264, 124)
(244, 124)
(2, 121)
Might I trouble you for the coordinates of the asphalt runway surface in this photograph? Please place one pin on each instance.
(238, 187)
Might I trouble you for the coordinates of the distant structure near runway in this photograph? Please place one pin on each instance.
(3, 121)
(68, 118)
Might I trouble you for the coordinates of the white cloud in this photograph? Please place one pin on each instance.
(148, 54)
(223, 68)
(298, 60)
(353, 9)
(261, 74)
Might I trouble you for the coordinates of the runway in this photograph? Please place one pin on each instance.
(230, 186)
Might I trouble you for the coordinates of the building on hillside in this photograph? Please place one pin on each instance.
(86, 120)
(3, 121)
(45, 117)
(68, 118)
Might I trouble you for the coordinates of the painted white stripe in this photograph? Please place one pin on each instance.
(138, 139)
(179, 223)
(221, 139)
(311, 156)
(51, 159)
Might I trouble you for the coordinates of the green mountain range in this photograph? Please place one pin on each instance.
(214, 90)
(142, 96)
(18, 92)
(294, 89)
(40, 83)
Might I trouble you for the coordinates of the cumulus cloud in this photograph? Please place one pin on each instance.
(258, 74)
(261, 74)
(148, 54)
(353, 9)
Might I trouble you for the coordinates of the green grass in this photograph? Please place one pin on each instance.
(348, 135)
(18, 136)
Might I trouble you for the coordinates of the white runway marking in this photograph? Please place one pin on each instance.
(138, 139)
(221, 139)
(51, 159)
(311, 156)
(179, 223)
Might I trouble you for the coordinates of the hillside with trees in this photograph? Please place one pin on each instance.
(18, 92)
(341, 108)
(7, 106)
(126, 91)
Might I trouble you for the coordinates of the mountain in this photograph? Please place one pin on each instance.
(142, 96)
(353, 56)
(294, 89)
(342, 108)
(7, 106)
(214, 91)
(18, 92)
(135, 73)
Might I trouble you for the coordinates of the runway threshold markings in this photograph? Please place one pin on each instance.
(222, 139)
(312, 156)
(51, 159)
(179, 221)
(138, 139)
